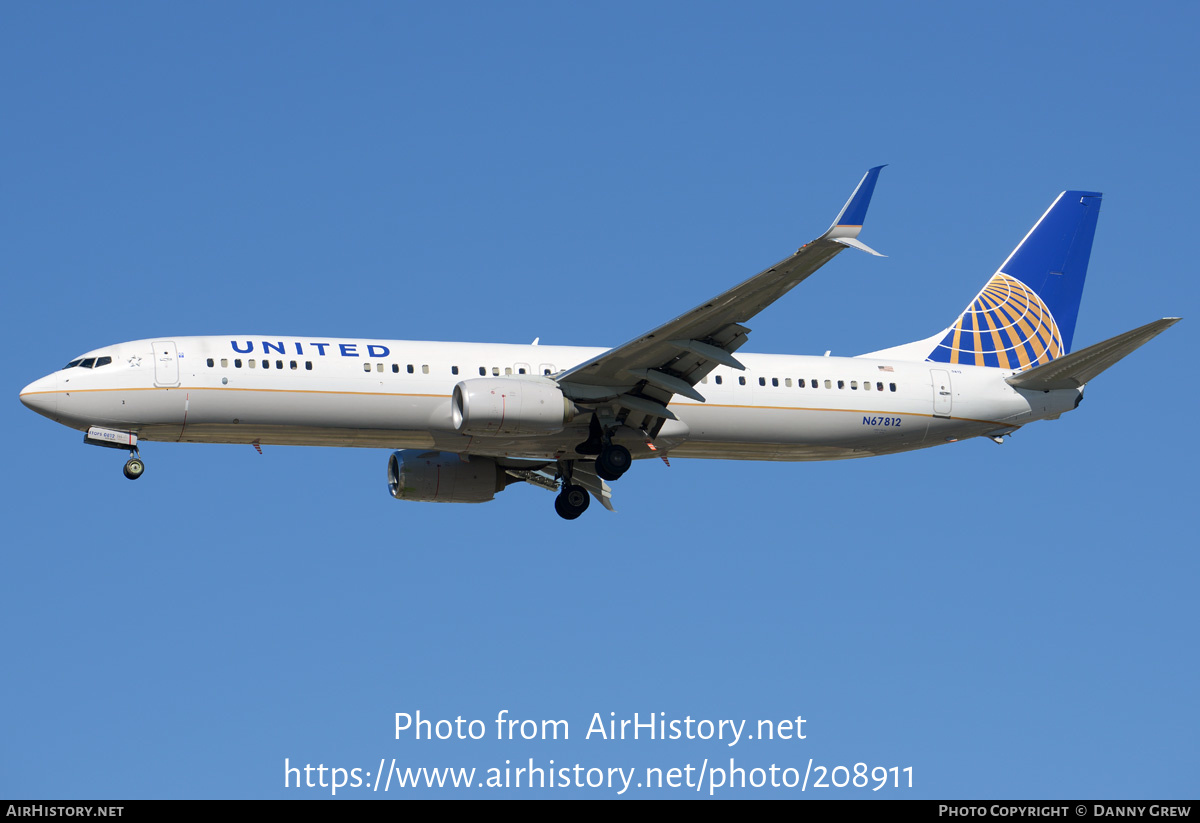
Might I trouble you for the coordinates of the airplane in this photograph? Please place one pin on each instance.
(468, 419)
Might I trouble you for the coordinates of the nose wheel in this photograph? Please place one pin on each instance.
(134, 467)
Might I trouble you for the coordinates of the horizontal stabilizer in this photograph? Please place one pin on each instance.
(1071, 371)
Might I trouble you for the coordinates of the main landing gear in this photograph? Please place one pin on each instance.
(572, 501)
(613, 461)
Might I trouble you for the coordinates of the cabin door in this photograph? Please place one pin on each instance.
(943, 400)
(166, 363)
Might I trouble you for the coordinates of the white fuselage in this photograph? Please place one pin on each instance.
(397, 394)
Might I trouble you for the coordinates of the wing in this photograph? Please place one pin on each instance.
(640, 378)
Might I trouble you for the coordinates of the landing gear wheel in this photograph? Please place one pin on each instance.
(613, 462)
(571, 502)
(134, 468)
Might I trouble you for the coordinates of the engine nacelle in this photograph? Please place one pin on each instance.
(442, 477)
(509, 406)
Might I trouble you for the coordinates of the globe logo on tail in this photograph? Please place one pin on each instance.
(1007, 326)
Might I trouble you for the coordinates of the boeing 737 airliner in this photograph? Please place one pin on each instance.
(469, 418)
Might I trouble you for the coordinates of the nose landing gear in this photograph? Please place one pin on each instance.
(134, 467)
(115, 439)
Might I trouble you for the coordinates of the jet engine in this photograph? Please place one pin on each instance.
(442, 477)
(512, 407)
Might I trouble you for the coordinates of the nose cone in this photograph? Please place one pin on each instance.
(42, 396)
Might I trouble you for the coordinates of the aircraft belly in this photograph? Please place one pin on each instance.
(316, 410)
(235, 415)
(291, 436)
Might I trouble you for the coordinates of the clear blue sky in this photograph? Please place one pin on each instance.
(1015, 621)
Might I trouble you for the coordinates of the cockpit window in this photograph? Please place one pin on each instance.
(89, 362)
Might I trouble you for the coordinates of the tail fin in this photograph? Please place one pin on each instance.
(1025, 316)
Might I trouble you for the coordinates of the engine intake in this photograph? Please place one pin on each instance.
(443, 477)
(511, 407)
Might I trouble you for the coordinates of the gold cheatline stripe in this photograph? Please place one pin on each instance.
(386, 394)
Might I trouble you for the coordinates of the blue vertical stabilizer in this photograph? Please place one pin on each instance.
(1025, 316)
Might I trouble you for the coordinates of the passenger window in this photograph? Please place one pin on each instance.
(379, 368)
(787, 382)
(424, 370)
(854, 385)
(293, 364)
(266, 364)
(841, 384)
(237, 364)
(495, 371)
(454, 369)
(366, 366)
(718, 379)
(250, 363)
(878, 387)
(545, 371)
(308, 365)
(775, 382)
(762, 381)
(410, 368)
(395, 368)
(483, 371)
(892, 386)
(507, 370)
(210, 362)
(741, 381)
(703, 380)
(279, 364)
(519, 371)
(224, 362)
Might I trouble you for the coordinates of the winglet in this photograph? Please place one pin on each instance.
(855, 243)
(849, 221)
